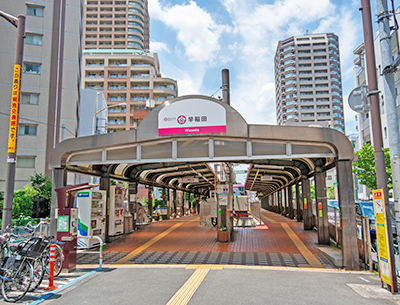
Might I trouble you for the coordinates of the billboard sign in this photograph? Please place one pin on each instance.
(192, 116)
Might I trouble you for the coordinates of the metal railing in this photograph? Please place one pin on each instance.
(100, 252)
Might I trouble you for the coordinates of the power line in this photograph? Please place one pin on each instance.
(35, 121)
(216, 91)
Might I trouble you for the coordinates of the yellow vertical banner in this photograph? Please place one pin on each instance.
(12, 132)
(381, 238)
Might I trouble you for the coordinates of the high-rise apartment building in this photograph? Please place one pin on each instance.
(116, 60)
(308, 81)
(116, 24)
(49, 84)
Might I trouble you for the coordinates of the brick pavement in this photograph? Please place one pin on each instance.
(190, 243)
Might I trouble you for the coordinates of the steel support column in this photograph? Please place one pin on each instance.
(322, 208)
(59, 178)
(174, 200)
(105, 186)
(290, 200)
(299, 212)
(150, 201)
(307, 203)
(348, 215)
(280, 195)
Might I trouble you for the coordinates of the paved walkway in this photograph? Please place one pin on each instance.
(278, 242)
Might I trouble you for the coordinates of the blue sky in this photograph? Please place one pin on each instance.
(195, 40)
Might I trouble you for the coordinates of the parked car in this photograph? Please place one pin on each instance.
(366, 208)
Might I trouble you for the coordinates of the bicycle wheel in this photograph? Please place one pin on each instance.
(58, 260)
(19, 282)
(39, 269)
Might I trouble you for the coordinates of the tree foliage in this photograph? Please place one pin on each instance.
(365, 169)
(42, 185)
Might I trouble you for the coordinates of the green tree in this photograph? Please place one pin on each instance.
(42, 185)
(331, 193)
(365, 169)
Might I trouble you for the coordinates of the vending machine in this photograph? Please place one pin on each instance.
(91, 217)
(116, 224)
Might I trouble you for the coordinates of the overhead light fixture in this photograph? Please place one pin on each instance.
(164, 169)
(269, 166)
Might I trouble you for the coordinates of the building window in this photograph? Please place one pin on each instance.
(35, 39)
(26, 162)
(31, 68)
(30, 98)
(27, 130)
(35, 11)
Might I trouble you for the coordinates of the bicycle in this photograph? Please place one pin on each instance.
(16, 273)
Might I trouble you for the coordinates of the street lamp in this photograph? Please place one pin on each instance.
(94, 117)
(19, 23)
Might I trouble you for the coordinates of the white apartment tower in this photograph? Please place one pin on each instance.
(49, 84)
(308, 81)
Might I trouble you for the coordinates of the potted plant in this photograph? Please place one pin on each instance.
(156, 215)
(222, 234)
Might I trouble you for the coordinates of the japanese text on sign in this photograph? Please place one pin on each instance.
(12, 134)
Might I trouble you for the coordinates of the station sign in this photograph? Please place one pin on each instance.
(188, 180)
(382, 236)
(192, 116)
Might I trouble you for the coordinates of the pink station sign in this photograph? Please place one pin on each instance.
(192, 116)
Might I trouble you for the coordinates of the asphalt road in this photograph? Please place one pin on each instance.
(158, 285)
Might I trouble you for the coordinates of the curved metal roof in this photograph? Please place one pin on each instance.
(144, 156)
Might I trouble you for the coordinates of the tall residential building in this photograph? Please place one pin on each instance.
(308, 81)
(116, 60)
(116, 24)
(49, 84)
(128, 77)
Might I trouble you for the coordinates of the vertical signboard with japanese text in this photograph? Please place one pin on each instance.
(192, 116)
(381, 236)
(12, 133)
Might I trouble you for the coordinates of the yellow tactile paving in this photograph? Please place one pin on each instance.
(143, 247)
(310, 258)
(185, 293)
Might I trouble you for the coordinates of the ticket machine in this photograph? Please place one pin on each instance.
(67, 222)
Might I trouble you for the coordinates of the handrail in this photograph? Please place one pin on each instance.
(94, 252)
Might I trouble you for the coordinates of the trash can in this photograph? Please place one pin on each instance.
(128, 224)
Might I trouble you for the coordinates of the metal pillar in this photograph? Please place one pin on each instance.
(19, 23)
(299, 212)
(132, 191)
(307, 203)
(225, 86)
(390, 104)
(279, 201)
(381, 177)
(322, 208)
(105, 186)
(348, 215)
(59, 178)
(290, 199)
(174, 200)
(150, 201)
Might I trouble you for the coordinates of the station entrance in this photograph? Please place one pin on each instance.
(180, 138)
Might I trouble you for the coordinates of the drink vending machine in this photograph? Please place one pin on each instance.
(116, 224)
(92, 216)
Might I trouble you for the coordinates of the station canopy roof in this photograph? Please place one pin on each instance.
(182, 138)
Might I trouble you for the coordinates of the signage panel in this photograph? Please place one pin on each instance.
(12, 131)
(188, 180)
(266, 178)
(381, 236)
(192, 117)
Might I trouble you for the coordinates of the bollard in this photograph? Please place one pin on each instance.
(51, 268)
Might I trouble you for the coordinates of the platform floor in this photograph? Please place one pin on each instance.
(278, 242)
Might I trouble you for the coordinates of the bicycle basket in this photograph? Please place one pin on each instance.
(33, 247)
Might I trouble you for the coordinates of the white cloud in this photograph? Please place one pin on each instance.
(158, 46)
(195, 28)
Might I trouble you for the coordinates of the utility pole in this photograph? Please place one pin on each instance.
(19, 23)
(376, 125)
(390, 102)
